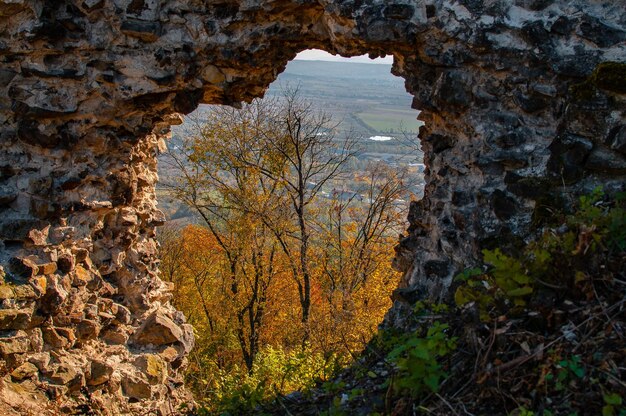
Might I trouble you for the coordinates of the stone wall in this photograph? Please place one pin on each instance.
(523, 103)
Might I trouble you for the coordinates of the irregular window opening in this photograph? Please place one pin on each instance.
(283, 216)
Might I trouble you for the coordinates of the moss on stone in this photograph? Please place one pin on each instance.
(6, 292)
(584, 91)
(609, 76)
(155, 366)
(24, 292)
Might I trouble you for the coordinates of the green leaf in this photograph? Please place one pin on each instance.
(463, 296)
(467, 274)
(520, 291)
(432, 382)
(613, 399)
(608, 410)
(579, 371)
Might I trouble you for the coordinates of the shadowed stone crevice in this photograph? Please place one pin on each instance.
(523, 103)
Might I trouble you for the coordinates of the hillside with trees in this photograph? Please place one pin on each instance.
(285, 271)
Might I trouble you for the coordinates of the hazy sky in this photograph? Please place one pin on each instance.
(317, 55)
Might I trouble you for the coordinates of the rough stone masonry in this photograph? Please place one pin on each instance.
(523, 102)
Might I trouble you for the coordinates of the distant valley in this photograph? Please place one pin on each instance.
(367, 101)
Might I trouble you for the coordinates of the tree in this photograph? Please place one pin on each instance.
(303, 141)
(282, 149)
(277, 261)
(359, 231)
(357, 226)
(228, 196)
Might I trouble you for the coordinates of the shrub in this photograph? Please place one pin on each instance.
(275, 371)
(559, 259)
(418, 359)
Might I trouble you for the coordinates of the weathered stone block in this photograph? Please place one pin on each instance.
(81, 277)
(6, 292)
(100, 373)
(616, 139)
(606, 161)
(23, 267)
(14, 342)
(158, 329)
(122, 314)
(88, 329)
(65, 263)
(56, 338)
(14, 318)
(55, 297)
(115, 336)
(8, 194)
(47, 268)
(41, 360)
(136, 388)
(24, 371)
(153, 366)
(503, 205)
(147, 31)
(69, 376)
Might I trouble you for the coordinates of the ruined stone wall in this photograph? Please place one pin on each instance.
(90, 88)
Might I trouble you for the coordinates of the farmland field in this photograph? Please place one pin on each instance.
(367, 98)
(390, 120)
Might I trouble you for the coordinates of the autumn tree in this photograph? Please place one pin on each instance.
(307, 155)
(228, 196)
(358, 229)
(282, 264)
(356, 225)
(293, 152)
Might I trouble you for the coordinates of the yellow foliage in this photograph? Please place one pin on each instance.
(274, 265)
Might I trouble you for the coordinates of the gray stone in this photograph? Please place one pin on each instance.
(8, 194)
(616, 139)
(158, 329)
(606, 161)
(503, 205)
(147, 31)
(600, 33)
